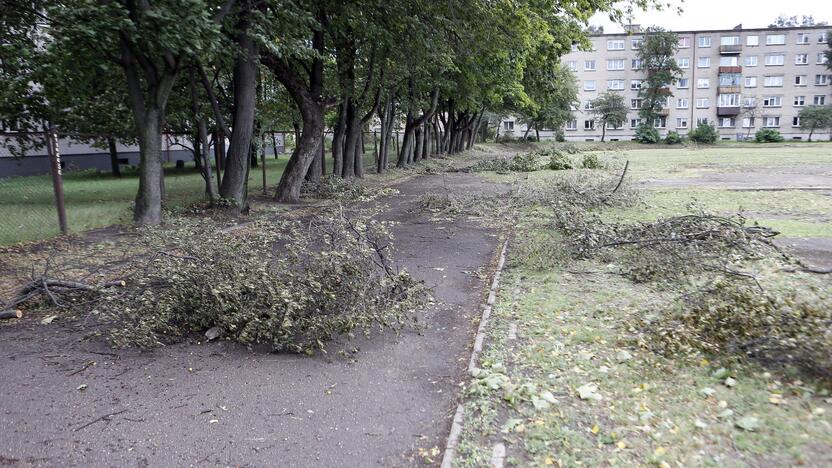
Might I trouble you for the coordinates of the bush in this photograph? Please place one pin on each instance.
(673, 138)
(786, 328)
(291, 285)
(768, 135)
(591, 161)
(646, 134)
(558, 161)
(559, 136)
(704, 133)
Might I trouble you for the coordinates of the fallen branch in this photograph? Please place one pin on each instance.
(105, 418)
(51, 286)
(10, 314)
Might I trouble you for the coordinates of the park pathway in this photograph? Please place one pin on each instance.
(389, 404)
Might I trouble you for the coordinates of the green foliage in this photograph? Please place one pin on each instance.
(657, 55)
(787, 328)
(332, 187)
(524, 162)
(609, 109)
(592, 161)
(673, 138)
(558, 161)
(290, 285)
(704, 133)
(768, 135)
(646, 133)
(814, 118)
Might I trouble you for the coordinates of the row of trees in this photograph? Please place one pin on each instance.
(228, 70)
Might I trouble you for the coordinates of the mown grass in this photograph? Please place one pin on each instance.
(95, 199)
(576, 324)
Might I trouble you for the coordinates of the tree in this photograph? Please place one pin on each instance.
(828, 51)
(784, 21)
(609, 108)
(750, 110)
(656, 55)
(814, 118)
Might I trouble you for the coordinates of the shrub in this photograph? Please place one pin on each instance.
(704, 133)
(768, 135)
(673, 138)
(559, 136)
(591, 161)
(786, 328)
(646, 134)
(558, 161)
(291, 285)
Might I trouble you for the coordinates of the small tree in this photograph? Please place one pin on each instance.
(750, 112)
(609, 108)
(656, 54)
(815, 118)
(828, 51)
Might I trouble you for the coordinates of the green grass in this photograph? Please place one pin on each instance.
(95, 199)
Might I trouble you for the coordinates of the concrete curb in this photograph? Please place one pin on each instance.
(456, 425)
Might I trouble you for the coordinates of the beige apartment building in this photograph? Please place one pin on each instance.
(740, 80)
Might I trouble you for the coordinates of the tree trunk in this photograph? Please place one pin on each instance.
(351, 140)
(235, 179)
(338, 137)
(114, 166)
(603, 130)
(148, 209)
(359, 153)
(202, 142)
(526, 134)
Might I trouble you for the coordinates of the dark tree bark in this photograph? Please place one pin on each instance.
(202, 142)
(114, 166)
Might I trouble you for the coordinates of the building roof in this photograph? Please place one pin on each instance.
(737, 29)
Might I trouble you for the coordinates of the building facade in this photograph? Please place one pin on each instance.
(740, 80)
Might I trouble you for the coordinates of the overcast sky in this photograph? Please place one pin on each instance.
(724, 14)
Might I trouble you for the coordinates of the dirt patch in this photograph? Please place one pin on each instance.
(816, 251)
(817, 176)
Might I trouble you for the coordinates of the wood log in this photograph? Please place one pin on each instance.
(10, 314)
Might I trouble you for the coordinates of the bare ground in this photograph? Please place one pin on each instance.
(71, 402)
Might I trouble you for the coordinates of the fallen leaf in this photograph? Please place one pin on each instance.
(82, 387)
(48, 320)
(748, 423)
(595, 429)
(589, 392)
(708, 391)
(730, 382)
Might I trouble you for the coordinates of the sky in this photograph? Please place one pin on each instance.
(724, 14)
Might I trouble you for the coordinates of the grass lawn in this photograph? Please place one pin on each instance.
(567, 377)
(95, 200)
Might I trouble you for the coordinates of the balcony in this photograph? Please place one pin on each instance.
(730, 69)
(727, 111)
(730, 49)
(729, 90)
(663, 112)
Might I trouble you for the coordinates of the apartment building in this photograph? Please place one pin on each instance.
(740, 80)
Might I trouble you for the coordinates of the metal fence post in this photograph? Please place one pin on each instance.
(57, 180)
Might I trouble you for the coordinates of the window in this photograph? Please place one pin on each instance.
(750, 81)
(704, 41)
(728, 61)
(660, 122)
(772, 121)
(636, 64)
(728, 100)
(775, 81)
(801, 59)
(752, 41)
(819, 100)
(615, 85)
(748, 122)
(802, 38)
(772, 101)
(684, 42)
(635, 44)
(572, 125)
(635, 103)
(703, 83)
(634, 123)
(589, 125)
(704, 62)
(822, 58)
(573, 65)
(682, 122)
(588, 105)
(615, 44)
(702, 103)
(775, 59)
(751, 61)
(615, 64)
(796, 121)
(683, 62)
(749, 101)
(508, 125)
(589, 65)
(589, 85)
(636, 84)
(682, 103)
(727, 122)
(730, 79)
(729, 40)
(775, 39)
(683, 83)
(821, 80)
(822, 37)
(800, 80)
(799, 101)
(701, 121)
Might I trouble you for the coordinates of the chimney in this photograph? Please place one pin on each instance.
(738, 27)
